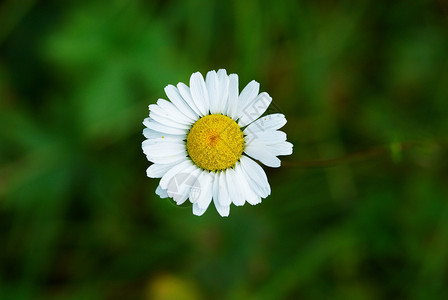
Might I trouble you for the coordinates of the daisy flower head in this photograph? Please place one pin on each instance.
(203, 142)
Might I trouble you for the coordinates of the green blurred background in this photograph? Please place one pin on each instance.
(359, 211)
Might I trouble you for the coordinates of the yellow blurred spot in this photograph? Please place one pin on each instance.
(171, 287)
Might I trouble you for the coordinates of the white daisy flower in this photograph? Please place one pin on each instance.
(201, 142)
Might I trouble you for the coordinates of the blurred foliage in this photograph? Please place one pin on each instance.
(80, 220)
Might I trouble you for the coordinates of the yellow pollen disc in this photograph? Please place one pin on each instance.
(215, 142)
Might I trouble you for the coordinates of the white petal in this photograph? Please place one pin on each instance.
(161, 192)
(247, 95)
(222, 72)
(266, 137)
(235, 193)
(223, 195)
(173, 171)
(158, 170)
(185, 93)
(254, 109)
(223, 91)
(245, 186)
(284, 148)
(154, 125)
(189, 185)
(232, 102)
(164, 157)
(176, 183)
(173, 139)
(222, 210)
(212, 84)
(259, 151)
(199, 93)
(170, 108)
(205, 185)
(256, 176)
(181, 184)
(173, 114)
(269, 122)
(167, 159)
(152, 134)
(168, 121)
(174, 95)
(162, 149)
(215, 191)
(197, 210)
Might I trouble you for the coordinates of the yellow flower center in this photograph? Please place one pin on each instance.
(215, 142)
